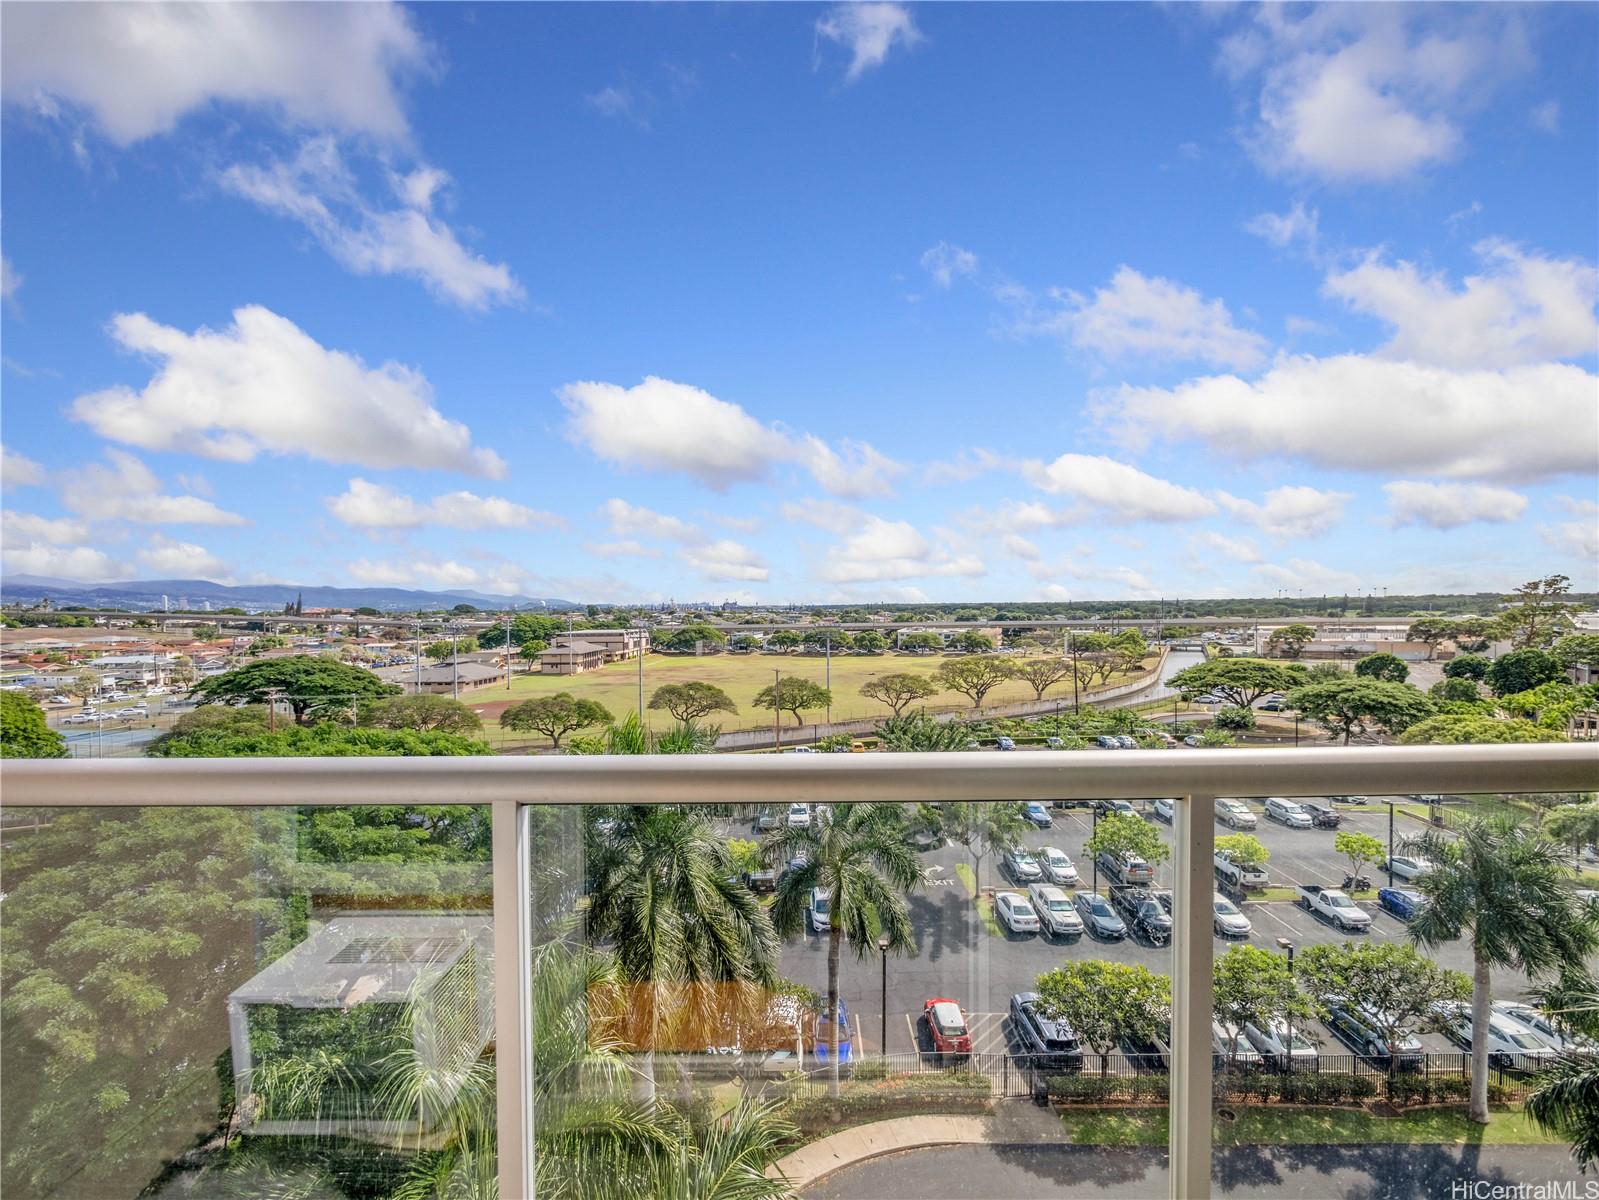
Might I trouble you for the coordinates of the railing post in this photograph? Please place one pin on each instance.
(513, 1008)
(1192, 965)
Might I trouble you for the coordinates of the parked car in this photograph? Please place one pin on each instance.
(764, 880)
(819, 911)
(1021, 866)
(1045, 1044)
(1228, 1047)
(1055, 912)
(1287, 812)
(799, 816)
(1105, 807)
(1099, 918)
(1511, 1045)
(842, 1035)
(1542, 1024)
(1322, 816)
(1193, 739)
(1165, 808)
(1126, 742)
(1036, 814)
(1228, 920)
(1125, 868)
(1271, 1043)
(1055, 743)
(1272, 704)
(1057, 867)
(1106, 741)
(1334, 906)
(1399, 902)
(1236, 875)
(1016, 913)
(1145, 915)
(1406, 866)
(1235, 814)
(1005, 743)
(946, 1025)
(1361, 1027)
(766, 821)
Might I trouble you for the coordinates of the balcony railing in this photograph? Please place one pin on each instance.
(513, 787)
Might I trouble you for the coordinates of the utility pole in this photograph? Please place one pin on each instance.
(640, 649)
(777, 713)
(507, 651)
(417, 685)
(829, 677)
(455, 666)
(1071, 644)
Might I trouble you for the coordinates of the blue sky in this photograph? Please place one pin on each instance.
(812, 303)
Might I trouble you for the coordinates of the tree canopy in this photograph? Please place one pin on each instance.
(1468, 666)
(310, 685)
(791, 694)
(1123, 834)
(24, 733)
(1383, 666)
(1578, 649)
(1106, 1001)
(1459, 729)
(1350, 708)
(421, 712)
(1522, 670)
(691, 701)
(1245, 849)
(554, 716)
(1239, 681)
(1290, 640)
(899, 689)
(1042, 672)
(1539, 613)
(976, 676)
(326, 740)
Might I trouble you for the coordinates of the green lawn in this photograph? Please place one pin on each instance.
(1302, 1126)
(741, 676)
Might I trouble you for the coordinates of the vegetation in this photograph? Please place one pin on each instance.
(899, 689)
(420, 712)
(1255, 986)
(315, 741)
(920, 732)
(1123, 834)
(1106, 1001)
(1539, 614)
(1398, 987)
(1290, 640)
(691, 701)
(1469, 728)
(1359, 849)
(1468, 666)
(1522, 670)
(311, 686)
(554, 716)
(1565, 1101)
(794, 695)
(983, 828)
(1245, 849)
(975, 677)
(1383, 666)
(23, 730)
(1234, 719)
(1454, 688)
(1351, 707)
(1574, 825)
(1239, 681)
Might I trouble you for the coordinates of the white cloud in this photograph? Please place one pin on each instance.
(824, 514)
(10, 280)
(868, 30)
(62, 562)
(374, 506)
(1238, 549)
(1020, 547)
(136, 69)
(127, 490)
(1117, 489)
(1298, 326)
(625, 518)
(1369, 93)
(1139, 316)
(164, 557)
(319, 191)
(1306, 574)
(1357, 413)
(665, 426)
(1579, 538)
(1296, 226)
(1450, 505)
(17, 470)
(726, 560)
(945, 261)
(1523, 308)
(57, 531)
(615, 102)
(626, 548)
(261, 385)
(1290, 512)
(967, 465)
(880, 549)
(424, 571)
(741, 524)
(1546, 116)
(1124, 581)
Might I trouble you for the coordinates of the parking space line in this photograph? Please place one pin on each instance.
(1266, 909)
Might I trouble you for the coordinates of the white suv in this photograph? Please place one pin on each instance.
(1288, 812)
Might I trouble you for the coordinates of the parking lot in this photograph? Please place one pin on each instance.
(959, 957)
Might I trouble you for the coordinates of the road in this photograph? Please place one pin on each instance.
(1356, 1172)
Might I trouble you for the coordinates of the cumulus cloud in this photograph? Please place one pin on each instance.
(1139, 316)
(1368, 93)
(375, 506)
(136, 69)
(1123, 581)
(1020, 547)
(1290, 512)
(726, 560)
(182, 560)
(495, 576)
(1306, 574)
(82, 563)
(127, 490)
(1579, 538)
(317, 189)
(1356, 413)
(1238, 549)
(716, 559)
(1522, 308)
(1450, 505)
(967, 465)
(18, 527)
(659, 425)
(880, 549)
(824, 514)
(17, 470)
(868, 31)
(945, 261)
(625, 518)
(1116, 489)
(625, 548)
(1297, 226)
(262, 384)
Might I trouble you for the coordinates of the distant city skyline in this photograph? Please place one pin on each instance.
(803, 303)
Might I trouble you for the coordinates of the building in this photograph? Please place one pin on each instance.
(447, 679)
(572, 657)
(617, 644)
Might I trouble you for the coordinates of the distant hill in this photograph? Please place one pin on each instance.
(145, 595)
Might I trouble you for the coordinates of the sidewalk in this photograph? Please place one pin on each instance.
(1011, 1124)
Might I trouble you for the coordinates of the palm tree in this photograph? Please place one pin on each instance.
(918, 732)
(666, 894)
(1501, 883)
(1565, 1098)
(857, 855)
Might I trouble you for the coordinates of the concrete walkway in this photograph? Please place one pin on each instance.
(1010, 1124)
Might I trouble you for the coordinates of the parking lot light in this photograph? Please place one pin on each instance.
(882, 946)
(1288, 1049)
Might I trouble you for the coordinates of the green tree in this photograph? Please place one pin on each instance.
(870, 641)
(840, 640)
(1234, 719)
(689, 637)
(1104, 1002)
(1359, 849)
(1245, 849)
(1239, 681)
(1454, 688)
(1290, 640)
(974, 677)
(1255, 987)
(1467, 666)
(1123, 834)
(920, 732)
(1348, 708)
(972, 641)
(420, 712)
(1578, 649)
(1565, 1098)
(792, 694)
(24, 733)
(84, 684)
(1458, 729)
(525, 628)
(1538, 614)
(1553, 704)
(858, 858)
(1574, 825)
(1504, 886)
(899, 689)
(691, 701)
(1042, 672)
(326, 740)
(1521, 671)
(784, 640)
(554, 716)
(1397, 986)
(445, 650)
(1383, 666)
(983, 827)
(1431, 630)
(310, 685)
(921, 640)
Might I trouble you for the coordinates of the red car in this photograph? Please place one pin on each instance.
(947, 1024)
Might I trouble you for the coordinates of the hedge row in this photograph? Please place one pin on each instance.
(1328, 1088)
(1097, 1089)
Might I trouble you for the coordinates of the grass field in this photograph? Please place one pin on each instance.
(741, 677)
(1300, 1127)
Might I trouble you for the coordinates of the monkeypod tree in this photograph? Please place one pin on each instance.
(899, 689)
(691, 701)
(793, 695)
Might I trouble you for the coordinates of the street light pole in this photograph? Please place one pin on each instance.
(507, 651)
(1288, 1050)
(777, 713)
(882, 946)
(829, 676)
(1071, 646)
(1390, 843)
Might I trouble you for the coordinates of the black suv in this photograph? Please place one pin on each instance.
(1145, 915)
(1105, 807)
(1042, 1043)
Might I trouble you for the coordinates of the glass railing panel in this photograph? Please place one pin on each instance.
(247, 1002)
(1362, 960)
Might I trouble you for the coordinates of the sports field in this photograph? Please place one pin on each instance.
(741, 676)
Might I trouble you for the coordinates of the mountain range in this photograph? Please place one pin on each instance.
(146, 595)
